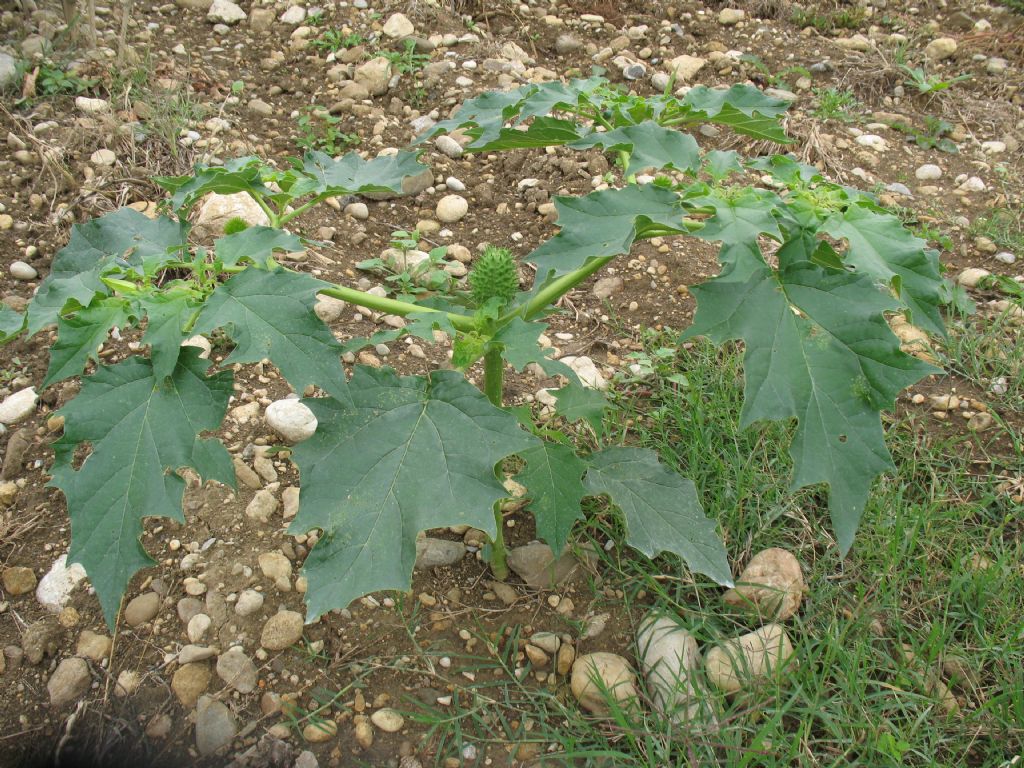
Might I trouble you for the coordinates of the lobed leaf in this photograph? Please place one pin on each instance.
(553, 478)
(400, 456)
(649, 145)
(80, 336)
(124, 241)
(270, 315)
(141, 430)
(352, 175)
(661, 509)
(255, 245)
(818, 349)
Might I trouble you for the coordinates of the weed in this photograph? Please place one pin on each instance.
(334, 40)
(318, 130)
(924, 83)
(829, 21)
(1004, 227)
(779, 80)
(835, 104)
(406, 61)
(410, 271)
(933, 136)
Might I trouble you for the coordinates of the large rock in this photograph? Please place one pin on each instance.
(237, 670)
(743, 661)
(291, 420)
(671, 661)
(190, 681)
(8, 70)
(598, 678)
(435, 553)
(55, 587)
(215, 726)
(940, 48)
(397, 26)
(18, 406)
(141, 609)
(537, 565)
(19, 580)
(69, 681)
(282, 630)
(217, 210)
(772, 584)
(685, 67)
(374, 75)
(225, 12)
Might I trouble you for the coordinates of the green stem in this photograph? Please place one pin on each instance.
(553, 290)
(285, 218)
(494, 375)
(275, 220)
(499, 564)
(393, 306)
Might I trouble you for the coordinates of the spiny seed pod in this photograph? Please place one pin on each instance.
(235, 225)
(494, 275)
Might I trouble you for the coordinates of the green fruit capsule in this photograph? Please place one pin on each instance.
(494, 275)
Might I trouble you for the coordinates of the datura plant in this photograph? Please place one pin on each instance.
(809, 272)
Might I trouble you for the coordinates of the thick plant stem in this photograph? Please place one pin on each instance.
(494, 375)
(393, 306)
(499, 563)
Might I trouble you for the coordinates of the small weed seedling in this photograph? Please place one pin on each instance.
(408, 270)
(392, 456)
(406, 61)
(924, 83)
(934, 135)
(334, 40)
(835, 104)
(318, 130)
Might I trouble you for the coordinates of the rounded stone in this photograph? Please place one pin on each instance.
(388, 720)
(93, 646)
(595, 676)
(21, 271)
(18, 407)
(282, 630)
(249, 602)
(451, 208)
(740, 662)
(772, 584)
(19, 580)
(291, 420)
(189, 682)
(237, 670)
(141, 609)
(69, 681)
(928, 172)
(319, 732)
(103, 158)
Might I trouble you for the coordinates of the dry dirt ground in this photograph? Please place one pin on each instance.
(201, 89)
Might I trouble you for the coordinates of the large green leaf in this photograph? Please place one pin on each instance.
(167, 315)
(255, 245)
(11, 323)
(661, 509)
(743, 108)
(140, 430)
(122, 241)
(352, 175)
(818, 349)
(740, 216)
(270, 315)
(880, 246)
(553, 480)
(576, 402)
(403, 455)
(604, 223)
(80, 336)
(649, 145)
(240, 174)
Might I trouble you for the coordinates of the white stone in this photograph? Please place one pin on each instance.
(291, 419)
(225, 12)
(971, 276)
(92, 106)
(374, 75)
(856, 42)
(398, 25)
(972, 184)
(587, 370)
(448, 146)
(8, 70)
(197, 627)
(1005, 257)
(686, 66)
(993, 147)
(294, 16)
(388, 720)
(670, 659)
(451, 208)
(217, 210)
(249, 602)
(928, 172)
(18, 406)
(103, 158)
(358, 211)
(872, 141)
(54, 589)
(21, 271)
(262, 506)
